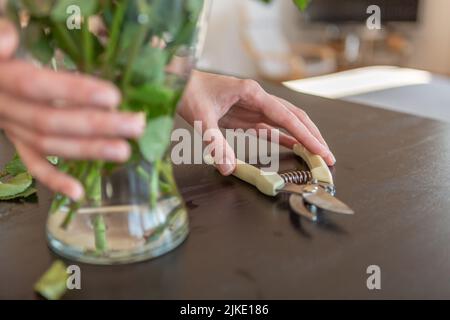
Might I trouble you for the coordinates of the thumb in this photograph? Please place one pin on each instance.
(221, 152)
(9, 39)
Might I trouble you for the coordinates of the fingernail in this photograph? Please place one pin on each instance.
(119, 152)
(333, 157)
(107, 97)
(134, 126)
(76, 192)
(226, 169)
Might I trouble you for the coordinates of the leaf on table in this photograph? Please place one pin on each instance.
(15, 166)
(22, 195)
(156, 138)
(15, 185)
(60, 11)
(53, 284)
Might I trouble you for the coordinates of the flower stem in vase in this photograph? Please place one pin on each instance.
(101, 244)
(111, 49)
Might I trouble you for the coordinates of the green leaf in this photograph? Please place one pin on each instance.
(23, 195)
(15, 166)
(53, 284)
(66, 41)
(186, 34)
(37, 42)
(167, 16)
(53, 160)
(59, 12)
(302, 4)
(149, 65)
(12, 11)
(194, 7)
(156, 138)
(39, 8)
(15, 185)
(154, 100)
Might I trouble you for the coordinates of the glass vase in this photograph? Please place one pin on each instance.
(132, 211)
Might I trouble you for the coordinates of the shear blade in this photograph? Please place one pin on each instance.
(299, 207)
(326, 201)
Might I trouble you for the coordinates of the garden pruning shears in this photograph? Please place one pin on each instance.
(309, 191)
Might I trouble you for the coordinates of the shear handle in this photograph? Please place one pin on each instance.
(316, 164)
(267, 182)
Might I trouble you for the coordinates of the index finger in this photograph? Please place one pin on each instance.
(20, 78)
(283, 117)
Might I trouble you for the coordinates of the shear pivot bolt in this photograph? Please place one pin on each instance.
(310, 189)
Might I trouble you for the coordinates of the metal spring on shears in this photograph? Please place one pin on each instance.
(297, 177)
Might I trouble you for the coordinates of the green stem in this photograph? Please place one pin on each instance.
(134, 52)
(80, 172)
(74, 206)
(33, 7)
(111, 49)
(88, 47)
(66, 41)
(92, 183)
(100, 233)
(154, 188)
(165, 187)
(167, 173)
(57, 203)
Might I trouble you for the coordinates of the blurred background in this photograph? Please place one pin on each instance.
(415, 33)
(403, 66)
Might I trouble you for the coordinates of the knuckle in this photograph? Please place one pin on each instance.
(23, 85)
(303, 114)
(288, 119)
(250, 88)
(36, 171)
(42, 121)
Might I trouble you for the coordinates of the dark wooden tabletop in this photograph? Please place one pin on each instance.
(393, 170)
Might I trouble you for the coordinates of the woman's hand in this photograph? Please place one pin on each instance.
(60, 114)
(227, 102)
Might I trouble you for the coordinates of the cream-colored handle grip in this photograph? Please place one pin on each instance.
(316, 164)
(267, 182)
